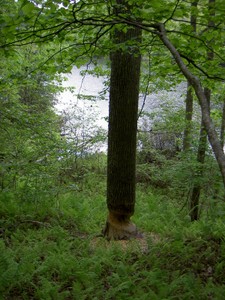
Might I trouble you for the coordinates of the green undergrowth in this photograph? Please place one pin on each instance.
(46, 250)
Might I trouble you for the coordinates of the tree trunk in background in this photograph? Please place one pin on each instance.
(196, 190)
(189, 95)
(188, 118)
(222, 130)
(123, 111)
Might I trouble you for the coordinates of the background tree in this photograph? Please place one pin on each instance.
(189, 95)
(222, 129)
(202, 146)
(30, 137)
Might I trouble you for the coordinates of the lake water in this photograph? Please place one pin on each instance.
(90, 86)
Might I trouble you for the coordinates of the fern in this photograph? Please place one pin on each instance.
(8, 269)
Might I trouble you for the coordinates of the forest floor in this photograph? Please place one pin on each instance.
(50, 250)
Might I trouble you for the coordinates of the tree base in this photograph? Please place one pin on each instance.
(119, 227)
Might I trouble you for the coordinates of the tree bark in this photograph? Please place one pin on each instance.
(196, 190)
(123, 111)
(189, 95)
(188, 118)
(222, 129)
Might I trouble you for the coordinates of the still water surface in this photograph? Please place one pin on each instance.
(86, 85)
(89, 85)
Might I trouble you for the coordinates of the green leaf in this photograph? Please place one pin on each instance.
(28, 8)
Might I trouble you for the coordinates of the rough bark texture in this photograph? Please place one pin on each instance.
(123, 110)
(209, 126)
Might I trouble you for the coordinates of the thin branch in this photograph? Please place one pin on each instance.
(87, 50)
(200, 24)
(37, 223)
(191, 61)
(199, 39)
(38, 15)
(146, 88)
(173, 12)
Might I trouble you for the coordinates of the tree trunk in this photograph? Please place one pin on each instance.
(189, 95)
(196, 190)
(123, 111)
(222, 130)
(194, 213)
(188, 118)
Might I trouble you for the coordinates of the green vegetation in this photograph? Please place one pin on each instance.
(53, 177)
(47, 249)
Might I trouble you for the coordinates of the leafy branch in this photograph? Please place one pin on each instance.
(195, 82)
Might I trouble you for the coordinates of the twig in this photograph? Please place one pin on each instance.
(38, 223)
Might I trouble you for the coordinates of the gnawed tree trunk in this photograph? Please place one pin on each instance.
(123, 111)
(199, 91)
